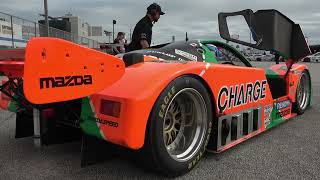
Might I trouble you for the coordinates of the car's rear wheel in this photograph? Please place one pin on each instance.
(179, 127)
(303, 93)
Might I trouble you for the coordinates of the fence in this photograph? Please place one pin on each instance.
(16, 31)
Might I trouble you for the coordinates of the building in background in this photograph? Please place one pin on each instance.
(78, 27)
(97, 33)
(59, 27)
(68, 27)
(81, 28)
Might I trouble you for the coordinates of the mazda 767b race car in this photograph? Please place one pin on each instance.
(173, 102)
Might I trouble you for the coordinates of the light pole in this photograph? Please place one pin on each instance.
(113, 23)
(46, 17)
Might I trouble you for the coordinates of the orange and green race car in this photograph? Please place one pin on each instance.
(173, 102)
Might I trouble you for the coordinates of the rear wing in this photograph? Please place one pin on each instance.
(55, 70)
(271, 30)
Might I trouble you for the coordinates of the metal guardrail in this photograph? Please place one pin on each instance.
(16, 31)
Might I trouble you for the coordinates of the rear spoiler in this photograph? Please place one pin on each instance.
(55, 70)
(271, 30)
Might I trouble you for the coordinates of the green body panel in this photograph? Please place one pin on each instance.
(209, 57)
(88, 123)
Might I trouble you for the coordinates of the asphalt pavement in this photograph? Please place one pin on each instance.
(289, 151)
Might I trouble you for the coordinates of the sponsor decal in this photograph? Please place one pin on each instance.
(162, 53)
(283, 113)
(283, 104)
(186, 55)
(267, 113)
(101, 121)
(54, 82)
(166, 101)
(241, 94)
(283, 107)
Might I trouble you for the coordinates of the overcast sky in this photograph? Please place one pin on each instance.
(197, 17)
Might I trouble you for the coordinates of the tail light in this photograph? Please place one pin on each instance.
(110, 108)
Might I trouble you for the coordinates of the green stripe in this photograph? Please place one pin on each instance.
(88, 125)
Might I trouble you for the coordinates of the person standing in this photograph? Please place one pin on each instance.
(121, 41)
(142, 33)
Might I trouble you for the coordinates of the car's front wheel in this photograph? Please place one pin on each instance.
(179, 127)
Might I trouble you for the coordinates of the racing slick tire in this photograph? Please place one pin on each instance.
(303, 93)
(179, 127)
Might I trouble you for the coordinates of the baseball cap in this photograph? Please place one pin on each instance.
(157, 7)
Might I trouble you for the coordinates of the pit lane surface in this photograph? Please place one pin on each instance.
(289, 151)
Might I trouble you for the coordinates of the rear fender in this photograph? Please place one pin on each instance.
(146, 81)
